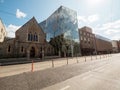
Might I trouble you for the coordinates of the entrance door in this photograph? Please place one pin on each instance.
(32, 52)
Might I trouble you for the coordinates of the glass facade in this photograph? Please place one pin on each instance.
(63, 22)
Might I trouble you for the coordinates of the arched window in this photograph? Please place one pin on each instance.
(28, 37)
(32, 37)
(9, 48)
(35, 37)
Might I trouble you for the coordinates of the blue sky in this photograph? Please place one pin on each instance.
(102, 16)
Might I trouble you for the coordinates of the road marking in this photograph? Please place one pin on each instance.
(65, 88)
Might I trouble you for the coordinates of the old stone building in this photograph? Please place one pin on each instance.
(2, 31)
(29, 41)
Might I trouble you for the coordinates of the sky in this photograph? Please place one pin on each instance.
(102, 16)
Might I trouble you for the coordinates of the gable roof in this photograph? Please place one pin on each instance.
(31, 20)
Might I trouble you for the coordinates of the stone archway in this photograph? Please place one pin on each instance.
(32, 52)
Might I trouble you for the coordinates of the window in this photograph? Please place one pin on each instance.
(35, 37)
(84, 39)
(80, 32)
(41, 49)
(22, 49)
(28, 37)
(84, 33)
(88, 39)
(1, 30)
(88, 34)
(31, 37)
(81, 38)
(9, 48)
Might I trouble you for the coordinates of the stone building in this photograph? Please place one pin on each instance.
(2, 31)
(115, 46)
(29, 41)
(87, 41)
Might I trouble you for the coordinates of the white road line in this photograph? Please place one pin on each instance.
(65, 88)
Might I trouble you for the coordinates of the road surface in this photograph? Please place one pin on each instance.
(106, 77)
(100, 74)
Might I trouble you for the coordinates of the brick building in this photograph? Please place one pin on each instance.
(119, 46)
(93, 44)
(103, 45)
(29, 41)
(87, 41)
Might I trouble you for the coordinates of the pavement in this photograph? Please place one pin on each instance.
(21, 68)
(66, 76)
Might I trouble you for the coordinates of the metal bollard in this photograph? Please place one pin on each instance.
(96, 56)
(91, 57)
(32, 66)
(67, 60)
(52, 63)
(77, 59)
(85, 58)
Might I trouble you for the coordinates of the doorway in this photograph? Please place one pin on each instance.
(32, 52)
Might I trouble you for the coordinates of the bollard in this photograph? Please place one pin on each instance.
(52, 63)
(91, 57)
(77, 60)
(100, 56)
(85, 58)
(32, 66)
(96, 56)
(67, 60)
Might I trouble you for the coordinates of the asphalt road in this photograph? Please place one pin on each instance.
(106, 77)
(100, 74)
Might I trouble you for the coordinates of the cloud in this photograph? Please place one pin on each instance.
(81, 18)
(20, 14)
(110, 29)
(88, 19)
(11, 29)
(93, 18)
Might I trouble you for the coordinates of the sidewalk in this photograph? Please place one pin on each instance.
(17, 69)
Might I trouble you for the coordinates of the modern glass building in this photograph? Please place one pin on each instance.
(62, 28)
